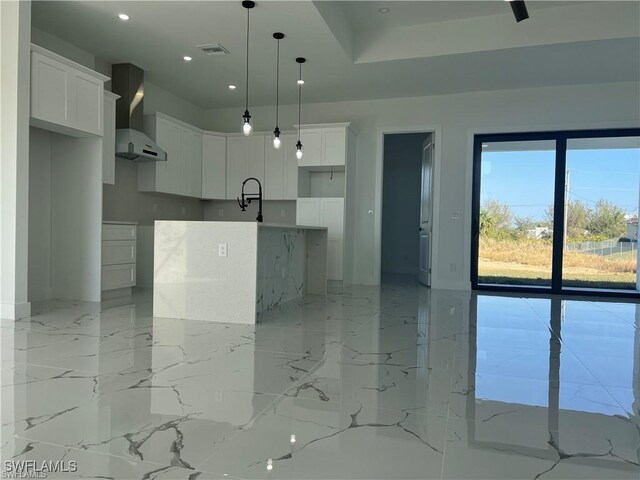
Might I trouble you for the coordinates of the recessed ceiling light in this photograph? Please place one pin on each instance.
(300, 82)
(232, 87)
(384, 10)
(123, 16)
(187, 58)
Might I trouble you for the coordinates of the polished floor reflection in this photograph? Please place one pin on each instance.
(385, 383)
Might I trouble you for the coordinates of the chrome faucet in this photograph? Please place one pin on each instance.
(246, 199)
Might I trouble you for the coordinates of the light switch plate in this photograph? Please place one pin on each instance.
(222, 249)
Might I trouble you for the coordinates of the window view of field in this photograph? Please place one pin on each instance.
(601, 215)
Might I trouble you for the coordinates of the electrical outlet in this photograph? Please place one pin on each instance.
(222, 249)
(456, 215)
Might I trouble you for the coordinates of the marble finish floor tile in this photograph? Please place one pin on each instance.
(390, 382)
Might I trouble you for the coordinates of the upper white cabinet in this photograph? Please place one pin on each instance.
(245, 158)
(181, 173)
(311, 139)
(191, 168)
(273, 171)
(214, 166)
(281, 169)
(324, 145)
(290, 166)
(66, 97)
(109, 139)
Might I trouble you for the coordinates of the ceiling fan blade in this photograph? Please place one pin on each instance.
(519, 10)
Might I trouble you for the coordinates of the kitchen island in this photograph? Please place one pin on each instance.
(231, 271)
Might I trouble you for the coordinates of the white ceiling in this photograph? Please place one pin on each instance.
(160, 33)
(365, 15)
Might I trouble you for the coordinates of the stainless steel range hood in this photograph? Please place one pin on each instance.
(128, 81)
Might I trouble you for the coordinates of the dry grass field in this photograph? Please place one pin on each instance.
(529, 262)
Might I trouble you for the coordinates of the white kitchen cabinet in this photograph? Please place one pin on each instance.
(308, 212)
(191, 165)
(311, 139)
(324, 145)
(181, 173)
(326, 212)
(236, 170)
(273, 170)
(334, 146)
(66, 97)
(281, 169)
(214, 166)
(245, 158)
(109, 139)
(332, 217)
(118, 259)
(290, 166)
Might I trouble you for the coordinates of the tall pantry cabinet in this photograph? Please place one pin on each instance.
(326, 191)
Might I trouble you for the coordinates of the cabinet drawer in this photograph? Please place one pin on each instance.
(118, 232)
(118, 252)
(118, 276)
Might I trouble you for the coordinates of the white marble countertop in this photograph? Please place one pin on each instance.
(116, 222)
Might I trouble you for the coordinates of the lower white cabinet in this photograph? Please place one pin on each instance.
(326, 212)
(118, 256)
(115, 277)
(109, 139)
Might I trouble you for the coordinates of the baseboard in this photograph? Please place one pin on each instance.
(451, 285)
(15, 311)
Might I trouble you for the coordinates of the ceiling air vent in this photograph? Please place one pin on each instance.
(216, 49)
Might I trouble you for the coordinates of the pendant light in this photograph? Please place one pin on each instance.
(276, 132)
(246, 126)
(300, 61)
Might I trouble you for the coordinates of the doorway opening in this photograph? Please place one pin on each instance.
(407, 211)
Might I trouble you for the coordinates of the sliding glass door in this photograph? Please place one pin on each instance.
(556, 211)
(516, 195)
(602, 191)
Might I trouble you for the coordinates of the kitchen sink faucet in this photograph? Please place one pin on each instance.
(246, 199)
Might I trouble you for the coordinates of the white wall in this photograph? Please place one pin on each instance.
(402, 184)
(274, 211)
(15, 24)
(459, 115)
(65, 204)
(39, 214)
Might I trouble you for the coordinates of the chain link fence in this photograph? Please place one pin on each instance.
(606, 247)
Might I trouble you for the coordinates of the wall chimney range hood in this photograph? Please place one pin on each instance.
(127, 80)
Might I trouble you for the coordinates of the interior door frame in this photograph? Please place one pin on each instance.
(426, 144)
(561, 137)
(436, 131)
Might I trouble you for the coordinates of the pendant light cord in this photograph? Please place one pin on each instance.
(246, 94)
(299, 99)
(277, 82)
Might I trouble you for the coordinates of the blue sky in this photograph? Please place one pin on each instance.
(524, 180)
